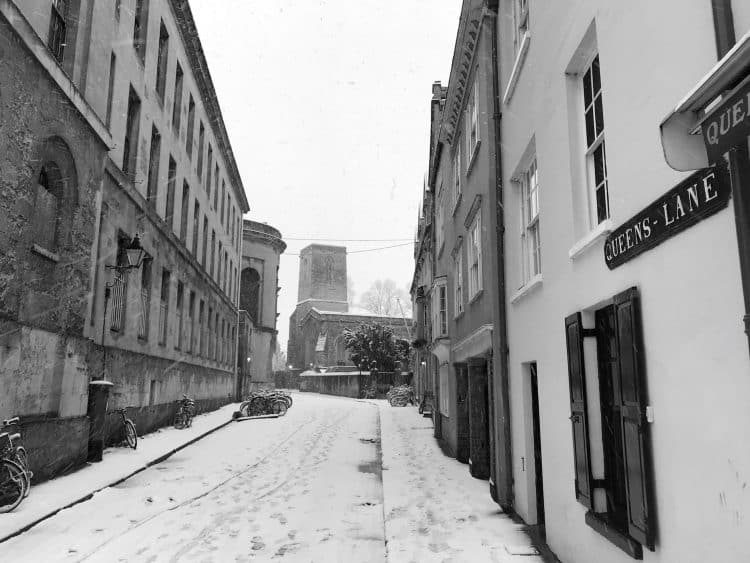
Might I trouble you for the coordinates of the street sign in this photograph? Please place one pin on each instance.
(729, 124)
(700, 195)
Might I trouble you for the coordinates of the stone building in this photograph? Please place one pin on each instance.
(259, 290)
(116, 133)
(322, 312)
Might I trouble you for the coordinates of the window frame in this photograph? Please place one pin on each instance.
(472, 124)
(531, 259)
(440, 308)
(594, 147)
(457, 187)
(58, 29)
(458, 288)
(474, 252)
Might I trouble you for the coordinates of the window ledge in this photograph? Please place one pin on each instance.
(527, 288)
(584, 243)
(457, 204)
(476, 296)
(517, 66)
(627, 544)
(473, 157)
(43, 252)
(461, 314)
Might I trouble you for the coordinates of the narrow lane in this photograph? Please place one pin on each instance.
(305, 487)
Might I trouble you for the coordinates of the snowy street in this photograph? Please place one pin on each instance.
(309, 486)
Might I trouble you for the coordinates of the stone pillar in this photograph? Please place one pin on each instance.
(479, 447)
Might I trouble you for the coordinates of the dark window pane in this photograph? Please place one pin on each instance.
(597, 81)
(599, 115)
(587, 89)
(602, 203)
(590, 127)
(599, 165)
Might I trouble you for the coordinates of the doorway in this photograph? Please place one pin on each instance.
(539, 484)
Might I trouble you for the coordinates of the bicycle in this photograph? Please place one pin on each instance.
(184, 416)
(21, 457)
(13, 478)
(131, 437)
(266, 402)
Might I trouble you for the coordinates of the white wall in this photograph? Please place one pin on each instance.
(695, 349)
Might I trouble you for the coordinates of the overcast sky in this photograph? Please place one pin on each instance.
(327, 107)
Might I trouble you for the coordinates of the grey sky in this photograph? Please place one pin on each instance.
(327, 107)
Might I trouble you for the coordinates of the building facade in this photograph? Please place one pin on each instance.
(259, 290)
(624, 236)
(158, 165)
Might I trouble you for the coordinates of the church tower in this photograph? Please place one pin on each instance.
(322, 284)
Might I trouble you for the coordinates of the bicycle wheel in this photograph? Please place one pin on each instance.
(257, 406)
(279, 407)
(179, 420)
(12, 485)
(130, 434)
(23, 461)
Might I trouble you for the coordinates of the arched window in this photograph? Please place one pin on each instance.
(250, 293)
(55, 195)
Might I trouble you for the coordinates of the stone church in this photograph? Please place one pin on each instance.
(322, 313)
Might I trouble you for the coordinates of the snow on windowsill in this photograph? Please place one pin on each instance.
(585, 242)
(527, 288)
(517, 66)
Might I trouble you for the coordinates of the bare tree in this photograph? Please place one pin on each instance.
(383, 298)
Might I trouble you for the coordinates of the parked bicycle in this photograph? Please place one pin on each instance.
(266, 402)
(14, 478)
(131, 437)
(21, 457)
(185, 413)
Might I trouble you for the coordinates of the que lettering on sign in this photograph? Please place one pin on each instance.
(700, 195)
(729, 124)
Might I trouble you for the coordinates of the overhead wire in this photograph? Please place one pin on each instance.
(363, 250)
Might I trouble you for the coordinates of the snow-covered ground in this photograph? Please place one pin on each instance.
(304, 487)
(434, 510)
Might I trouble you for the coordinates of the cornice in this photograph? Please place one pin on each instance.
(472, 14)
(199, 66)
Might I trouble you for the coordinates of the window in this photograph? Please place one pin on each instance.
(178, 315)
(458, 282)
(143, 323)
(472, 123)
(216, 188)
(58, 29)
(218, 266)
(211, 333)
(118, 9)
(190, 127)
(213, 253)
(196, 226)
(171, 179)
(444, 390)
(110, 88)
(521, 20)
(440, 308)
(457, 176)
(199, 347)
(596, 156)
(49, 196)
(140, 27)
(530, 242)
(185, 206)
(119, 291)
(201, 137)
(622, 513)
(164, 307)
(439, 222)
(475, 257)
(152, 188)
(132, 127)
(177, 106)
(223, 195)
(191, 322)
(208, 171)
(161, 62)
(205, 241)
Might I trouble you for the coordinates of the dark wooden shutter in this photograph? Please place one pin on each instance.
(634, 426)
(578, 418)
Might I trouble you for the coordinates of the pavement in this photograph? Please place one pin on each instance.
(335, 479)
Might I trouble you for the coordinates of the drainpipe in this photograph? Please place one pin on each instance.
(504, 485)
(739, 160)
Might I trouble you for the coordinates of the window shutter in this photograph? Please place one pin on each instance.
(578, 418)
(634, 428)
